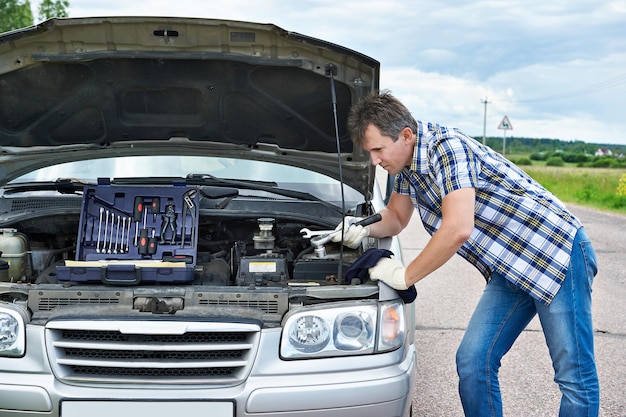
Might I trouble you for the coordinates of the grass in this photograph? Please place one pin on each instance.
(592, 187)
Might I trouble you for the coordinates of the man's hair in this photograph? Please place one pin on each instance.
(382, 110)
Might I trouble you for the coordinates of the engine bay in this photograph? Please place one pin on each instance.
(204, 247)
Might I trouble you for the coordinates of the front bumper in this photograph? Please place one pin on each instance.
(367, 386)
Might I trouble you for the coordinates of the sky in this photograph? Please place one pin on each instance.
(555, 68)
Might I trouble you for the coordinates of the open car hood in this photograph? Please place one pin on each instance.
(73, 89)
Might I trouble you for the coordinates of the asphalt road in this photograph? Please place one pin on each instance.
(446, 300)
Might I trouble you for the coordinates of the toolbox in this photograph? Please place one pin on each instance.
(135, 234)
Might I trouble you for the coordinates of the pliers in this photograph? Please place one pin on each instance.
(188, 207)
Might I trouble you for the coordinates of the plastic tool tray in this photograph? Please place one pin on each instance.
(132, 234)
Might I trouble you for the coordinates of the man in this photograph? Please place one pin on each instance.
(532, 251)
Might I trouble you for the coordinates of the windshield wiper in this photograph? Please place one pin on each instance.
(267, 186)
(228, 182)
(61, 185)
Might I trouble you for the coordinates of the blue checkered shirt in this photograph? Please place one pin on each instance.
(521, 230)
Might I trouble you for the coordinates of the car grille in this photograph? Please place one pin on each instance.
(151, 352)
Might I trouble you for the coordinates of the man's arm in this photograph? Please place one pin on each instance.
(456, 227)
(396, 216)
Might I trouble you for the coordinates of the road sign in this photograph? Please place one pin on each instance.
(505, 124)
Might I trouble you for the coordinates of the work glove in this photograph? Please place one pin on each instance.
(352, 234)
(391, 272)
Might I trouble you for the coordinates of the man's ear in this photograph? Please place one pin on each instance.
(407, 135)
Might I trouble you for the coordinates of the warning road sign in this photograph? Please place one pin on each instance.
(505, 124)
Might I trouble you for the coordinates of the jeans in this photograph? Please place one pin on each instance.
(504, 311)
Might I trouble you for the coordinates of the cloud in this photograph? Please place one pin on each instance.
(458, 102)
(434, 97)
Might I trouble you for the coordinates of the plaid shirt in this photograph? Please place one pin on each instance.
(521, 230)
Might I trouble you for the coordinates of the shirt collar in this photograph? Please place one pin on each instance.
(419, 163)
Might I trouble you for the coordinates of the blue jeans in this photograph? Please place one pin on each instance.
(504, 311)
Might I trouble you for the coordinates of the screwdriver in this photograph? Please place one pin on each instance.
(137, 212)
(143, 236)
(155, 207)
(152, 244)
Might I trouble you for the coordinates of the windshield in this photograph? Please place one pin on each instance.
(285, 176)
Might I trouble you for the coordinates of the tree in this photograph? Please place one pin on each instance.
(15, 14)
(53, 8)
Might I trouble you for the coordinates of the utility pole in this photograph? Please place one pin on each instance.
(485, 101)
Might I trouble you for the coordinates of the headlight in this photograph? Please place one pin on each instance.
(12, 333)
(353, 331)
(341, 330)
(309, 334)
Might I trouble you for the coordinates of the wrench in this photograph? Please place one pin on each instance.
(106, 228)
(122, 247)
(307, 233)
(324, 236)
(112, 227)
(117, 234)
(128, 237)
(99, 229)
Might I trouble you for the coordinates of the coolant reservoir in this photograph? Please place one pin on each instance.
(13, 250)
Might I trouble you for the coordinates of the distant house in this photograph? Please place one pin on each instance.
(603, 152)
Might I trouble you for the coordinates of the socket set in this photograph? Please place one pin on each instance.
(131, 234)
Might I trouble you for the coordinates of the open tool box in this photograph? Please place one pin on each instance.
(133, 234)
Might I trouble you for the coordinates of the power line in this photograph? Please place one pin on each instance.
(590, 89)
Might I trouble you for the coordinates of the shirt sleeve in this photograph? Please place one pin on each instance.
(453, 165)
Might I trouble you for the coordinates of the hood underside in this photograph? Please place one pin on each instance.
(132, 83)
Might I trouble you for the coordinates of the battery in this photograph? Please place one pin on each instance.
(261, 270)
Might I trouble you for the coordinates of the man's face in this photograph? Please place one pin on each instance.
(391, 155)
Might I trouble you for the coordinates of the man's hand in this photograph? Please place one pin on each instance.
(353, 234)
(391, 272)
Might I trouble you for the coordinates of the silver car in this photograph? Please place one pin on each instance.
(169, 187)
